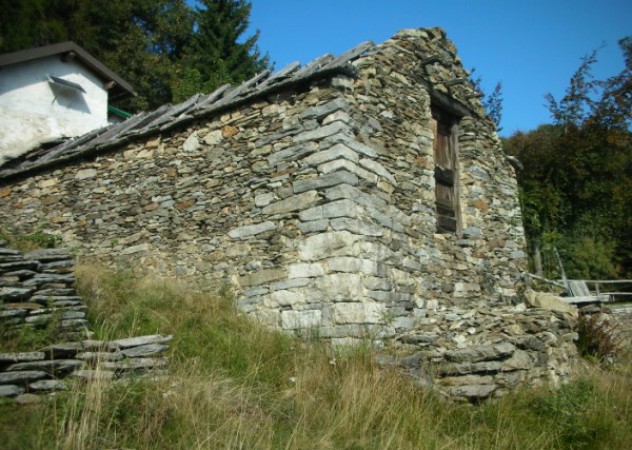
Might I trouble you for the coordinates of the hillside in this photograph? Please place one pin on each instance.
(233, 384)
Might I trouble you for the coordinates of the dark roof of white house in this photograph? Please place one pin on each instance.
(70, 51)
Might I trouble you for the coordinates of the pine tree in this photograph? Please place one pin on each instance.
(217, 54)
(164, 48)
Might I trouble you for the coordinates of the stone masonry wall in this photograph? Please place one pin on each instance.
(37, 291)
(316, 205)
(482, 352)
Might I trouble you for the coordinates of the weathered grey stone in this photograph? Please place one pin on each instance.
(358, 313)
(332, 179)
(347, 166)
(63, 350)
(21, 356)
(305, 270)
(320, 111)
(313, 226)
(323, 132)
(9, 294)
(192, 143)
(11, 390)
(356, 226)
(351, 264)
(99, 356)
(336, 152)
(327, 244)
(21, 376)
(264, 199)
(283, 298)
(93, 374)
(378, 169)
(481, 353)
(53, 367)
(288, 284)
(142, 340)
(27, 399)
(549, 302)
(49, 254)
(135, 364)
(351, 143)
(292, 153)
(300, 320)
(293, 203)
(263, 276)
(85, 173)
(340, 208)
(48, 385)
(473, 392)
(251, 230)
(520, 360)
(144, 350)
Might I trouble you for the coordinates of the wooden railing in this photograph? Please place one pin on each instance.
(592, 291)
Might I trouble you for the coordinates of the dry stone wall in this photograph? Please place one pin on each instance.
(480, 352)
(316, 204)
(37, 290)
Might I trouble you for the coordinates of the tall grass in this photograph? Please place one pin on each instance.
(235, 385)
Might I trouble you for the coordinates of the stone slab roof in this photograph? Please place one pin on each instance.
(169, 116)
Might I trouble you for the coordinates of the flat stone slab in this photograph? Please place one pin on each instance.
(48, 254)
(10, 390)
(21, 357)
(64, 349)
(135, 364)
(14, 293)
(92, 375)
(142, 340)
(48, 386)
(53, 367)
(21, 376)
(99, 356)
(144, 350)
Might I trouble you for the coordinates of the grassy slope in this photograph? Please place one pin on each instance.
(236, 385)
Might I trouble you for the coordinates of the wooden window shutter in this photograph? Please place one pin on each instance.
(446, 171)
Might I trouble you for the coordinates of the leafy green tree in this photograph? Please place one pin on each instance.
(576, 188)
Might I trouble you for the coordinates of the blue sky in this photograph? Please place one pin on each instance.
(532, 46)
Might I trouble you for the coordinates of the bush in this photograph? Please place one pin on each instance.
(598, 337)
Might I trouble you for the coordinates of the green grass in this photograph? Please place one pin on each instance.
(235, 385)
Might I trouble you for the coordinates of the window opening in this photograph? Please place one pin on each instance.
(444, 128)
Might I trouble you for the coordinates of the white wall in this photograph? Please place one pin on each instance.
(33, 111)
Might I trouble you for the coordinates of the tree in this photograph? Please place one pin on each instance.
(577, 104)
(166, 49)
(575, 187)
(493, 102)
(494, 105)
(216, 56)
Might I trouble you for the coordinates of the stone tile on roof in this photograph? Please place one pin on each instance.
(169, 116)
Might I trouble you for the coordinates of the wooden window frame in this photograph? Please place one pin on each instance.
(446, 172)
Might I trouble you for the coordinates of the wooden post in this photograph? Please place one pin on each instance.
(537, 260)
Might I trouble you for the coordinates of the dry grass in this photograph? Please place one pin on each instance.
(234, 385)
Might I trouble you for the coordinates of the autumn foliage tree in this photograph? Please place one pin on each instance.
(576, 188)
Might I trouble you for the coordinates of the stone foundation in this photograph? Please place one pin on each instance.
(482, 352)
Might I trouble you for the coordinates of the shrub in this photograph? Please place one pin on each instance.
(598, 337)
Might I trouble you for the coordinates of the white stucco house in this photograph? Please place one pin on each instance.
(51, 93)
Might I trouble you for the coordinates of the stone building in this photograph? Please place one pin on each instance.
(348, 196)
